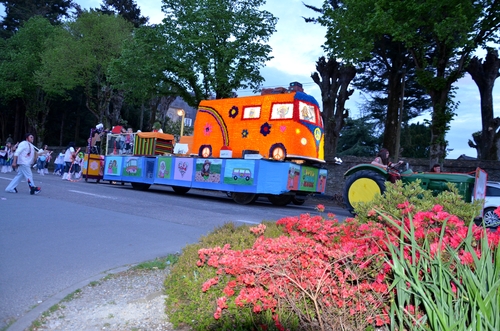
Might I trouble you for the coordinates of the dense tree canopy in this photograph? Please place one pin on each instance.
(80, 56)
(222, 42)
(440, 37)
(20, 59)
(126, 8)
(19, 11)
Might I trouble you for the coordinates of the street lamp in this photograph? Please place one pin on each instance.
(181, 113)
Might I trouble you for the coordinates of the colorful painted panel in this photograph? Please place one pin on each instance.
(132, 166)
(322, 180)
(239, 172)
(293, 177)
(95, 165)
(113, 166)
(164, 166)
(208, 170)
(183, 169)
(309, 179)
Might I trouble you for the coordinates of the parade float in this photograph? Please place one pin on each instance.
(268, 145)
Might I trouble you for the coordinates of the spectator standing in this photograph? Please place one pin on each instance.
(43, 160)
(22, 160)
(9, 149)
(69, 157)
(59, 163)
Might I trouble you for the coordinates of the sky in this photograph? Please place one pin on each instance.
(296, 48)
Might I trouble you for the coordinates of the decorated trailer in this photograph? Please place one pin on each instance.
(262, 146)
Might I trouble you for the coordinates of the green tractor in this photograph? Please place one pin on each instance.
(364, 181)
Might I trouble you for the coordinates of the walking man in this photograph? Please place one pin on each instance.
(23, 159)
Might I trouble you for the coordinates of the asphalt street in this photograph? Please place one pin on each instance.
(56, 242)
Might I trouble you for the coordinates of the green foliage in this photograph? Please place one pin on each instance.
(159, 263)
(439, 35)
(423, 200)
(357, 138)
(20, 11)
(444, 292)
(126, 8)
(415, 140)
(222, 42)
(80, 55)
(187, 304)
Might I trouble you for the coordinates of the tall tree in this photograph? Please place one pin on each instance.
(385, 64)
(126, 8)
(223, 42)
(19, 11)
(80, 56)
(145, 71)
(333, 79)
(484, 74)
(440, 37)
(21, 58)
(358, 137)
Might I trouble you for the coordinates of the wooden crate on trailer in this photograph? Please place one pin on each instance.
(153, 143)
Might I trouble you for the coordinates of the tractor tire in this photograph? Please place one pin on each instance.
(362, 186)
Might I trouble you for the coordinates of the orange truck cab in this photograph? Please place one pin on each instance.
(285, 126)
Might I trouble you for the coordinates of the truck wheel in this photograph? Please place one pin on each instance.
(362, 186)
(140, 186)
(298, 202)
(181, 189)
(244, 198)
(280, 200)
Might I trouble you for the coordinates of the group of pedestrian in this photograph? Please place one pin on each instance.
(25, 155)
(6, 155)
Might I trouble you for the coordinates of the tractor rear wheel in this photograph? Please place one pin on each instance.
(362, 186)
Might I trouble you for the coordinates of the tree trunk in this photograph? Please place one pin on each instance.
(333, 80)
(441, 117)
(392, 122)
(485, 74)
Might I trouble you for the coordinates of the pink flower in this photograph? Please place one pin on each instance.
(320, 208)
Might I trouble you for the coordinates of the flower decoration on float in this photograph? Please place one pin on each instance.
(233, 112)
(207, 129)
(244, 133)
(265, 129)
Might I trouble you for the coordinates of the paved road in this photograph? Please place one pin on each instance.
(74, 232)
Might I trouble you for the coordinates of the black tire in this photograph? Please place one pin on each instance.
(298, 202)
(244, 198)
(362, 186)
(140, 186)
(181, 189)
(490, 219)
(280, 200)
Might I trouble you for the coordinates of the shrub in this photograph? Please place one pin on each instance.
(186, 303)
(330, 275)
(420, 199)
(454, 288)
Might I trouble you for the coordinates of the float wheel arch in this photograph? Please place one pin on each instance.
(205, 151)
(277, 152)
